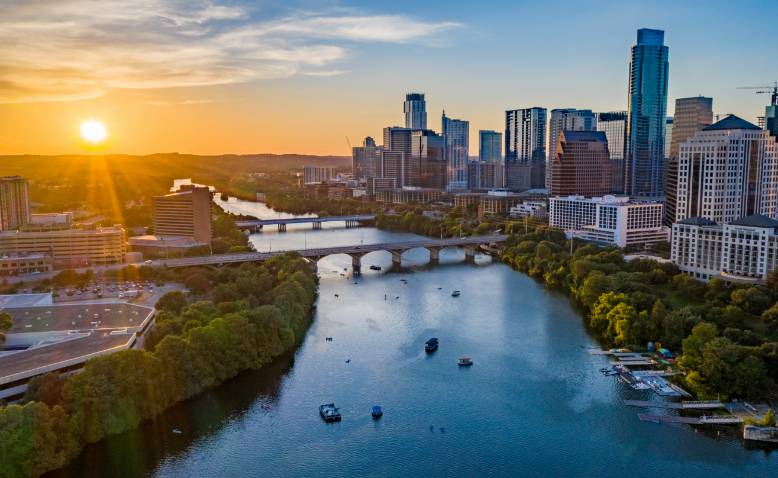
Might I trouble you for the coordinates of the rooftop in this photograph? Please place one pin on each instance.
(697, 221)
(755, 220)
(76, 317)
(731, 122)
(585, 136)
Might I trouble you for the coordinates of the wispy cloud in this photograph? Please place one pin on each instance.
(58, 50)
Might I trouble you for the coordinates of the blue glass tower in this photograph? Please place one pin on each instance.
(649, 69)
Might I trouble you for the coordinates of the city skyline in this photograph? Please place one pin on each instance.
(251, 103)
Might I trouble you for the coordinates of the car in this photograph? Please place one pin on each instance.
(147, 261)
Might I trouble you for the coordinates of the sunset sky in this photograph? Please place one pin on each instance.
(211, 77)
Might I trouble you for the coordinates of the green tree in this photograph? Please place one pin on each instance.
(173, 301)
(694, 344)
(5, 324)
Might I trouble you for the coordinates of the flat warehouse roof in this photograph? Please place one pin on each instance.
(76, 317)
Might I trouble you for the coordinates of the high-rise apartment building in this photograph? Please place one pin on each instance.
(397, 140)
(691, 115)
(581, 165)
(669, 127)
(428, 157)
(365, 160)
(186, 213)
(525, 148)
(566, 119)
(415, 109)
(649, 70)
(393, 167)
(614, 125)
(318, 174)
(457, 135)
(727, 171)
(14, 202)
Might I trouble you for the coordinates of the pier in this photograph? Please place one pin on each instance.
(688, 405)
(703, 420)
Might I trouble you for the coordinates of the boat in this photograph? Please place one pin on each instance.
(375, 268)
(431, 345)
(329, 412)
(456, 293)
(377, 412)
(465, 361)
(176, 431)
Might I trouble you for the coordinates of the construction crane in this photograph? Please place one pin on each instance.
(768, 90)
(348, 142)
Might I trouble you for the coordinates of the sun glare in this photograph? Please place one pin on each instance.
(93, 131)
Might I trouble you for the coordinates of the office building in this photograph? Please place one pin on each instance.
(745, 250)
(186, 213)
(397, 140)
(536, 209)
(614, 125)
(771, 118)
(428, 157)
(393, 166)
(415, 109)
(649, 69)
(581, 165)
(408, 195)
(68, 247)
(365, 160)
(14, 202)
(318, 174)
(489, 146)
(691, 115)
(668, 136)
(726, 171)
(566, 119)
(483, 175)
(457, 136)
(380, 184)
(525, 148)
(609, 219)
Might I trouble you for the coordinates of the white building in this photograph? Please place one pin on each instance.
(745, 250)
(609, 219)
(726, 171)
(529, 209)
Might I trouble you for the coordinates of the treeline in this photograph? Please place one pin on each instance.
(728, 333)
(241, 319)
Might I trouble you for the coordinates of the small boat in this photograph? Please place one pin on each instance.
(465, 361)
(375, 268)
(431, 345)
(329, 412)
(176, 431)
(377, 412)
(456, 293)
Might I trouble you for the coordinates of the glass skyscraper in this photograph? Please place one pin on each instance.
(457, 134)
(649, 69)
(525, 148)
(614, 125)
(415, 109)
(489, 146)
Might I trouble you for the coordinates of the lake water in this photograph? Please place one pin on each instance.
(533, 403)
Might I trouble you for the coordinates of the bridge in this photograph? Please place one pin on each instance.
(434, 246)
(354, 220)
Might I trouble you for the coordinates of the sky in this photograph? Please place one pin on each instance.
(312, 77)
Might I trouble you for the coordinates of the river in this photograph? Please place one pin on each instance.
(533, 403)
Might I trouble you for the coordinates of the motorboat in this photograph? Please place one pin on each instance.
(456, 293)
(377, 412)
(431, 345)
(465, 361)
(329, 412)
(375, 268)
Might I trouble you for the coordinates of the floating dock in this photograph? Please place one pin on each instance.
(703, 420)
(688, 405)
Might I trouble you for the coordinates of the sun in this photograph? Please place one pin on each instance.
(93, 131)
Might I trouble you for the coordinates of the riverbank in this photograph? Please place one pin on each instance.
(251, 314)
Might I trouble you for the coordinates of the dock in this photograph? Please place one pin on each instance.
(703, 420)
(688, 405)
(632, 363)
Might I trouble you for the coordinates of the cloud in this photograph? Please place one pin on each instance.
(60, 50)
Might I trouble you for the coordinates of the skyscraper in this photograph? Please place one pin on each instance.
(457, 135)
(415, 111)
(365, 160)
(428, 157)
(525, 148)
(691, 116)
(489, 146)
(14, 202)
(669, 128)
(581, 165)
(566, 119)
(727, 171)
(614, 125)
(649, 70)
(398, 140)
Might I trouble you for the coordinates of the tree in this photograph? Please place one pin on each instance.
(694, 344)
(753, 300)
(5, 324)
(197, 283)
(173, 301)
